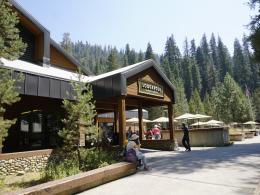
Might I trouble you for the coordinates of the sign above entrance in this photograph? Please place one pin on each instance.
(150, 88)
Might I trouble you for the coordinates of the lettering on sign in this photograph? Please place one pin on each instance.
(150, 88)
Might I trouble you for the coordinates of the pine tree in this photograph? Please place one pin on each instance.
(173, 55)
(149, 52)
(132, 57)
(126, 55)
(166, 68)
(112, 63)
(214, 54)
(181, 106)
(195, 104)
(255, 29)
(79, 119)
(66, 43)
(254, 80)
(186, 71)
(231, 103)
(224, 60)
(140, 56)
(256, 103)
(208, 106)
(200, 59)
(11, 45)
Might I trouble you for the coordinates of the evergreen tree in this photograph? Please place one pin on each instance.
(181, 106)
(127, 54)
(8, 96)
(66, 43)
(255, 29)
(231, 103)
(254, 79)
(173, 56)
(11, 45)
(132, 57)
(208, 105)
(195, 104)
(112, 63)
(149, 52)
(140, 56)
(214, 54)
(256, 103)
(209, 79)
(201, 61)
(195, 72)
(186, 71)
(224, 60)
(79, 119)
(166, 68)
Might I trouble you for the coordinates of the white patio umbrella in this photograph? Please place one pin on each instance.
(136, 120)
(251, 123)
(214, 122)
(199, 116)
(198, 124)
(186, 116)
(161, 120)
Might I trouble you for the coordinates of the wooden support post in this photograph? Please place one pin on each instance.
(170, 115)
(122, 120)
(115, 120)
(141, 126)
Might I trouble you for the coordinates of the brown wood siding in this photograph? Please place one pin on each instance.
(60, 60)
(152, 76)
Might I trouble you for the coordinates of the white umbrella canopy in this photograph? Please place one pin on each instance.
(162, 120)
(186, 116)
(136, 120)
(214, 122)
(198, 124)
(198, 116)
(251, 123)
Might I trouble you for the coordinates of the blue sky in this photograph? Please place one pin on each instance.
(137, 22)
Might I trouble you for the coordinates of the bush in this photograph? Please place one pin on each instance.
(60, 166)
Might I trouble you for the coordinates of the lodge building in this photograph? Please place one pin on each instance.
(48, 71)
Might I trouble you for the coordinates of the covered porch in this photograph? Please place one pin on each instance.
(138, 86)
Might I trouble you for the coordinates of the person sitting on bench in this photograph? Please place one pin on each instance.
(134, 144)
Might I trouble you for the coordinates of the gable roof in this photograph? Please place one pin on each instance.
(117, 78)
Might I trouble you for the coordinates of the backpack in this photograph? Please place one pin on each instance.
(131, 156)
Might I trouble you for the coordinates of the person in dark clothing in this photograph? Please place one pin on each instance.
(186, 139)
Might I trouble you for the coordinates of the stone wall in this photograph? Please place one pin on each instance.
(211, 137)
(20, 162)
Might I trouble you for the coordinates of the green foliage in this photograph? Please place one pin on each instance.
(255, 29)
(181, 106)
(60, 167)
(149, 52)
(67, 43)
(231, 104)
(11, 45)
(112, 61)
(208, 105)
(256, 103)
(195, 104)
(8, 96)
(80, 115)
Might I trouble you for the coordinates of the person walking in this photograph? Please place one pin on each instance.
(186, 139)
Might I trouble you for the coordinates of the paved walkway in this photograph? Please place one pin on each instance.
(223, 170)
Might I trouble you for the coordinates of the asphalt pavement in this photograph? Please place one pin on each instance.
(230, 170)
